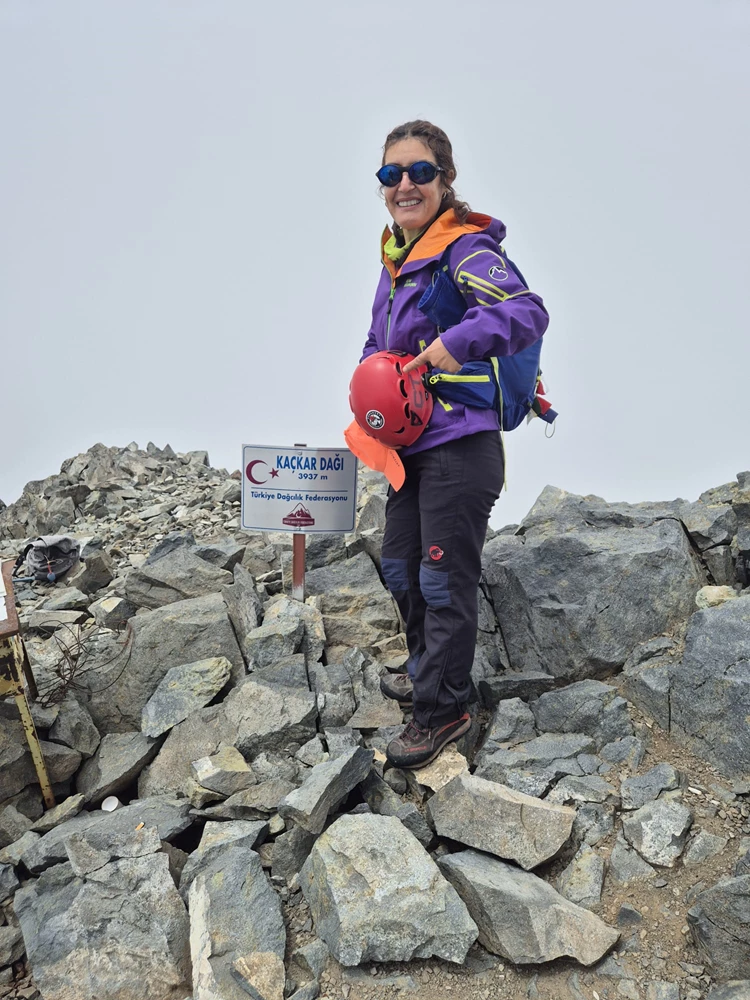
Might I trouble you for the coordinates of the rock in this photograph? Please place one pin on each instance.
(237, 934)
(111, 612)
(290, 671)
(705, 845)
(174, 572)
(169, 815)
(312, 958)
(124, 676)
(589, 788)
(92, 849)
(257, 802)
(449, 763)
(225, 772)
(334, 690)
(720, 565)
(719, 925)
(582, 881)
(243, 604)
(269, 718)
(60, 813)
(75, 728)
(312, 752)
(224, 553)
(8, 882)
(201, 735)
(324, 788)
(13, 824)
(587, 707)
(711, 701)
(585, 581)
(118, 761)
(498, 820)
(12, 854)
(356, 607)
(250, 834)
(524, 684)
(658, 831)
(131, 932)
(271, 642)
(714, 597)
(16, 764)
(383, 801)
(50, 621)
(512, 722)
(11, 945)
(67, 599)
(96, 572)
(629, 750)
(283, 609)
(290, 851)
(182, 691)
(636, 792)
(376, 895)
(626, 866)
(521, 917)
(340, 739)
(737, 990)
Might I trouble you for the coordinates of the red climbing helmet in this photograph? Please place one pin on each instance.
(392, 407)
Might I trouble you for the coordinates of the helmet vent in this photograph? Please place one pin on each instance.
(402, 387)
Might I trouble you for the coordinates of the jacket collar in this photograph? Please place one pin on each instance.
(443, 231)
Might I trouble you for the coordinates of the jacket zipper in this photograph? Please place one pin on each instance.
(434, 379)
(388, 316)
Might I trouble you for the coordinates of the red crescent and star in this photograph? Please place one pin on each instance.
(251, 477)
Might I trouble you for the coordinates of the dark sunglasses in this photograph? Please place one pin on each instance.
(421, 172)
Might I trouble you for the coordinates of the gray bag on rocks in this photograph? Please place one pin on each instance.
(49, 557)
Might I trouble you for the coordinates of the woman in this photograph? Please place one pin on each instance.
(437, 522)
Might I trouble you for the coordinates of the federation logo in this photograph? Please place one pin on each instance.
(299, 517)
(375, 419)
(436, 553)
(498, 273)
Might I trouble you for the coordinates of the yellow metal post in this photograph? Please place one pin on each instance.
(13, 666)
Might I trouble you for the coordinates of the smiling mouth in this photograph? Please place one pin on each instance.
(409, 204)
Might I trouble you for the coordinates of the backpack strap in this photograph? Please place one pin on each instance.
(20, 560)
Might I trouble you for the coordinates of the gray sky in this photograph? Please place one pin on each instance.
(191, 221)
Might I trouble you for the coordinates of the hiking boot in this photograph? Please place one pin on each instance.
(416, 747)
(397, 686)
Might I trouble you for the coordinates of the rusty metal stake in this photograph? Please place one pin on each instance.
(298, 559)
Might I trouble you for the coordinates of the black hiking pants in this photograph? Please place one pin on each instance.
(432, 561)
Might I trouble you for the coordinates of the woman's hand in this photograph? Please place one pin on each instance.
(435, 355)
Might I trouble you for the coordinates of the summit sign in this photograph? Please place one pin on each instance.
(298, 489)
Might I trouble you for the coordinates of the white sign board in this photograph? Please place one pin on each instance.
(298, 489)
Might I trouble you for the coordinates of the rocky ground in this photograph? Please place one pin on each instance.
(590, 837)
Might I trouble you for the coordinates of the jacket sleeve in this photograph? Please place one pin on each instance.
(503, 316)
(371, 342)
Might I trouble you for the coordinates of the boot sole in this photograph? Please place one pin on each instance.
(451, 739)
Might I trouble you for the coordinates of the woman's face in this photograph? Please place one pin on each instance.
(412, 205)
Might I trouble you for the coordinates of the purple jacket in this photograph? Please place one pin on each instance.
(502, 317)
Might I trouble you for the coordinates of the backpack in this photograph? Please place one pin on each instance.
(49, 557)
(512, 384)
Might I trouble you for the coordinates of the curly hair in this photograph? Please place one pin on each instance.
(440, 146)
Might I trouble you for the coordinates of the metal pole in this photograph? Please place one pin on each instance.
(298, 559)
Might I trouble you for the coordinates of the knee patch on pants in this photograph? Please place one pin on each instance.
(395, 574)
(435, 587)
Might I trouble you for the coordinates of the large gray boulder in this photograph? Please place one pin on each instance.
(499, 820)
(125, 671)
(658, 831)
(375, 894)
(17, 766)
(584, 581)
(720, 927)
(130, 939)
(237, 933)
(174, 572)
(357, 609)
(521, 917)
(710, 689)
